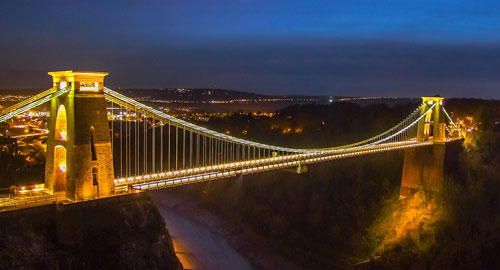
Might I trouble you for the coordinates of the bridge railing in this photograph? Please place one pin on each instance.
(225, 171)
(20, 203)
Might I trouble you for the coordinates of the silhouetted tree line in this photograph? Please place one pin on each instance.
(315, 125)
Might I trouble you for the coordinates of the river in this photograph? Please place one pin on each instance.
(196, 246)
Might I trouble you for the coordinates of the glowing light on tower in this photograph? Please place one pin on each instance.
(62, 166)
(63, 135)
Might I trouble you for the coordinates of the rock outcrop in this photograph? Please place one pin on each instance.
(125, 232)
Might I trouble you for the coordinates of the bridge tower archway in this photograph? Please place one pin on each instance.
(57, 180)
(80, 144)
(61, 128)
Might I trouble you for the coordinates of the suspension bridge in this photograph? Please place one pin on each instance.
(102, 143)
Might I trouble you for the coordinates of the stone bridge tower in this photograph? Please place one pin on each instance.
(423, 167)
(79, 158)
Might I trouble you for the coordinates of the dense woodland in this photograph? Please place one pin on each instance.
(347, 213)
(315, 125)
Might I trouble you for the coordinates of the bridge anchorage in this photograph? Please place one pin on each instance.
(102, 143)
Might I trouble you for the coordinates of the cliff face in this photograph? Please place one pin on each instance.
(115, 233)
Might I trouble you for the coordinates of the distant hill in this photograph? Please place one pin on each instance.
(207, 95)
(189, 94)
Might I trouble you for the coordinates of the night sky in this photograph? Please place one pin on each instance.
(320, 47)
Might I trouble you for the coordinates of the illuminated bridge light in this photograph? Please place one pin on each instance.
(62, 167)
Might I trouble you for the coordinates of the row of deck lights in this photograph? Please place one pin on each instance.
(212, 168)
(233, 165)
(198, 178)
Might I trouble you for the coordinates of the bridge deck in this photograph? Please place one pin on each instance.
(209, 173)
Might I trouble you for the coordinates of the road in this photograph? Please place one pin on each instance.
(195, 245)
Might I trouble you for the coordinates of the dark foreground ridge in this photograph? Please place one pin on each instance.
(125, 232)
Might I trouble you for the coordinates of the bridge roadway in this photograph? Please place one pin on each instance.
(36, 198)
(214, 172)
(209, 173)
(10, 202)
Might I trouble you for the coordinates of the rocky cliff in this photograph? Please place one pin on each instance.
(124, 232)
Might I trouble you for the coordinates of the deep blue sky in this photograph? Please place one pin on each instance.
(324, 47)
